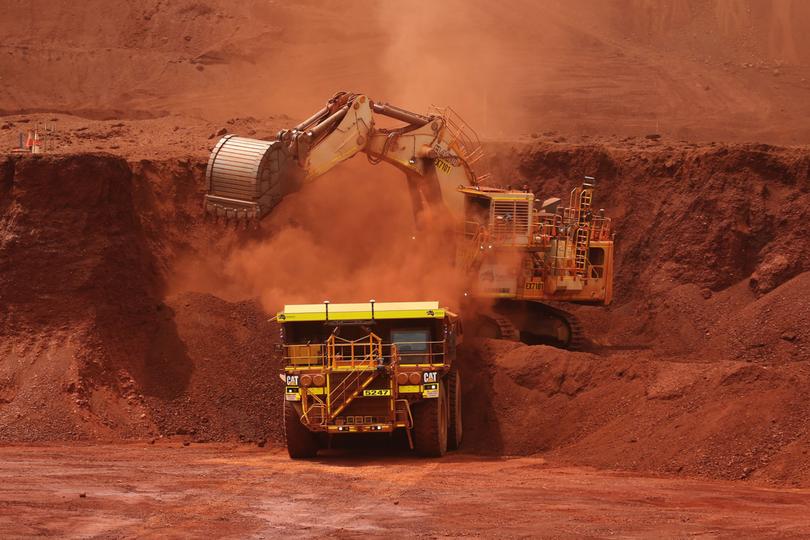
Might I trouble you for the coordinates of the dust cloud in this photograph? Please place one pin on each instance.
(455, 53)
(349, 236)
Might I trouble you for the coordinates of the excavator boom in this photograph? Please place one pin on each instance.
(247, 177)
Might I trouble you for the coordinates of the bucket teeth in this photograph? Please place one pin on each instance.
(217, 208)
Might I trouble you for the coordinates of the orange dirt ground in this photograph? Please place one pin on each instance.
(227, 491)
(126, 317)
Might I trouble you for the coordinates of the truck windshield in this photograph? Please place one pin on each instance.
(412, 345)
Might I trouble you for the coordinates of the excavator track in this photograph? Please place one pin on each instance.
(491, 324)
(576, 339)
(507, 330)
(537, 323)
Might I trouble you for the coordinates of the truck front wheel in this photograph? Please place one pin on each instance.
(301, 442)
(430, 425)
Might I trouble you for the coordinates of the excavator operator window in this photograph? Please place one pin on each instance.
(413, 345)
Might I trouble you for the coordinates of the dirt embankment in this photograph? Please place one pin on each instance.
(91, 345)
(702, 231)
(727, 419)
(700, 366)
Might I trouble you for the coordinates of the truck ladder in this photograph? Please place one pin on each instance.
(347, 390)
(361, 360)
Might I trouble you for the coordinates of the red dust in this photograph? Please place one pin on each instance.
(347, 236)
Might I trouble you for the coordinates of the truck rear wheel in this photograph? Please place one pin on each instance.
(301, 442)
(430, 425)
(454, 428)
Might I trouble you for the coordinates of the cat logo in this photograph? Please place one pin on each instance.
(292, 380)
(430, 376)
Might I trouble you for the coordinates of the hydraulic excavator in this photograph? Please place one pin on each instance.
(524, 256)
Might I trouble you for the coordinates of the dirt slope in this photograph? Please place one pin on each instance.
(697, 369)
(90, 348)
(686, 68)
(700, 230)
(727, 419)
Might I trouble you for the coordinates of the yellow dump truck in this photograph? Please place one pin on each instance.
(371, 367)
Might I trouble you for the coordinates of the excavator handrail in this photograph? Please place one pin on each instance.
(468, 141)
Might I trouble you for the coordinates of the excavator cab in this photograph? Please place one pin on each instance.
(503, 217)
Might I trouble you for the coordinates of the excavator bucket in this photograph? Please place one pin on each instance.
(246, 178)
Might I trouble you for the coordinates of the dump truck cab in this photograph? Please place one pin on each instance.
(371, 367)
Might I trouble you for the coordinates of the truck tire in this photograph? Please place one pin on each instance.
(301, 442)
(430, 425)
(454, 427)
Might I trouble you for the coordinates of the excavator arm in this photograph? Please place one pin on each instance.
(248, 177)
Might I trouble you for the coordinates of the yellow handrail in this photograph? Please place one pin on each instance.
(370, 351)
(364, 353)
